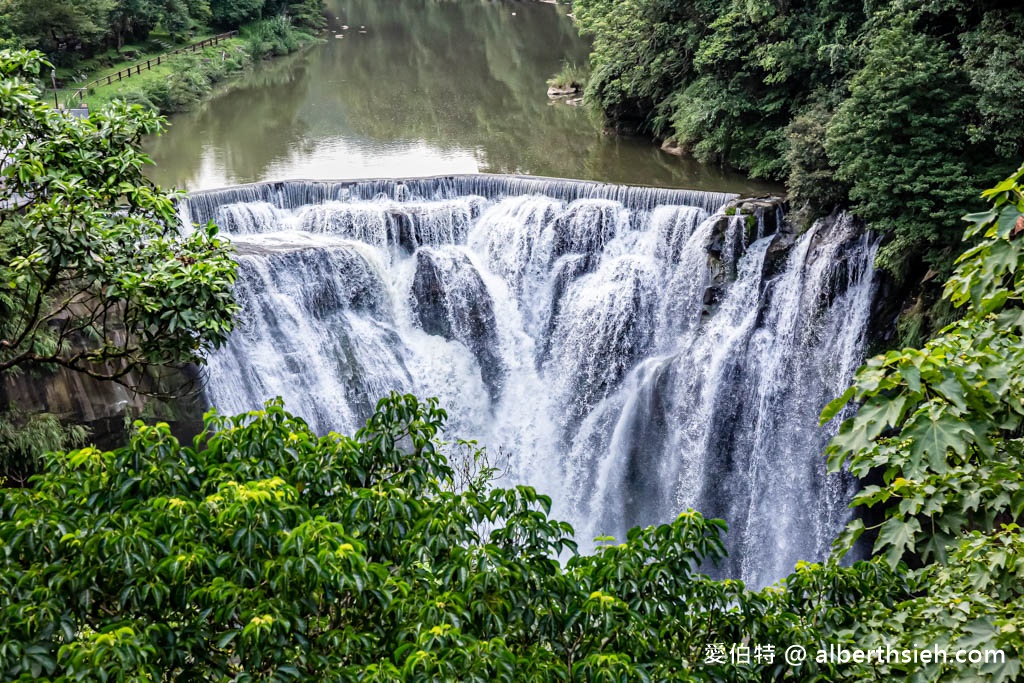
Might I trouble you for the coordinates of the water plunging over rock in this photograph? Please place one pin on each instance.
(637, 351)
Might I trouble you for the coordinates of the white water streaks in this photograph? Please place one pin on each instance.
(633, 351)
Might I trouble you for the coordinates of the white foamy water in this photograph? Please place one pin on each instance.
(634, 352)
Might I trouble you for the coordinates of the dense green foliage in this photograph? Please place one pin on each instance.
(94, 277)
(271, 38)
(942, 425)
(900, 109)
(263, 552)
(66, 29)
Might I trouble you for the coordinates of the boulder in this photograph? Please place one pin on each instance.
(451, 301)
(769, 215)
(777, 255)
(559, 91)
(674, 148)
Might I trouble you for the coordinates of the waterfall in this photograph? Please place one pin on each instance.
(634, 351)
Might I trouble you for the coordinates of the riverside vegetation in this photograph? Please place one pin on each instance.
(102, 36)
(899, 110)
(262, 551)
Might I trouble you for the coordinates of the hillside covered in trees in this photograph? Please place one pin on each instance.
(67, 30)
(263, 549)
(901, 110)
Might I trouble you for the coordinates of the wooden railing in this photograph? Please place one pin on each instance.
(138, 68)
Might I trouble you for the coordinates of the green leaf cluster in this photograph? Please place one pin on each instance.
(69, 29)
(940, 429)
(264, 552)
(94, 275)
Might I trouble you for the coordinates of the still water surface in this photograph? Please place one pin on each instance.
(416, 87)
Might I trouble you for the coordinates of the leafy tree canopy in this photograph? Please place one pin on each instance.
(58, 24)
(899, 110)
(264, 552)
(67, 29)
(94, 276)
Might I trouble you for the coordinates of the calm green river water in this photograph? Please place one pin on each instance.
(416, 87)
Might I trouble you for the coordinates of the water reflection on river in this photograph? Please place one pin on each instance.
(431, 87)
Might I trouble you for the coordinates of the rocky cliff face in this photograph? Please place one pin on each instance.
(107, 408)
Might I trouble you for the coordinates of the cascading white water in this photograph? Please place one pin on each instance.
(633, 351)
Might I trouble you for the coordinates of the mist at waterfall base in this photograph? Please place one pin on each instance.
(634, 352)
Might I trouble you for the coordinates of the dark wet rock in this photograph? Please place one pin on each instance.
(404, 234)
(777, 254)
(565, 271)
(584, 228)
(107, 409)
(768, 213)
(451, 301)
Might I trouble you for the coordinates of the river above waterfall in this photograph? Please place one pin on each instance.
(416, 87)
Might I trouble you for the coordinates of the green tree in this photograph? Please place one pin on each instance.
(812, 183)
(59, 27)
(177, 16)
(899, 141)
(95, 277)
(941, 427)
(994, 58)
(265, 552)
(306, 14)
(643, 53)
(8, 39)
(234, 13)
(897, 110)
(132, 20)
(733, 112)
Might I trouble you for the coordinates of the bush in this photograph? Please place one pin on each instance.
(192, 78)
(272, 38)
(24, 438)
(572, 75)
(142, 98)
(263, 551)
(812, 181)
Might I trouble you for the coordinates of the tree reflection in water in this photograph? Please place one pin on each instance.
(431, 87)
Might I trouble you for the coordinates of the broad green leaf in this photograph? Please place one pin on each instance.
(896, 536)
(836, 405)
